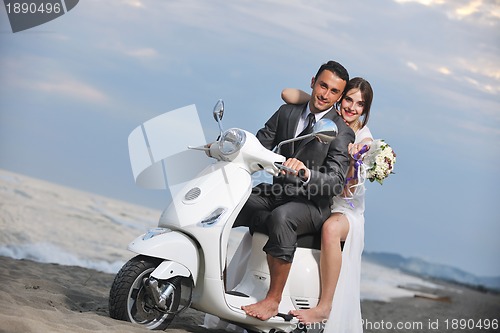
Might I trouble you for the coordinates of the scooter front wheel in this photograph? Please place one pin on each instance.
(130, 300)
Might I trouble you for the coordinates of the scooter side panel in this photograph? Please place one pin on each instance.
(211, 189)
(302, 288)
(303, 284)
(222, 187)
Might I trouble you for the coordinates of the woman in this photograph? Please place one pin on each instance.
(341, 306)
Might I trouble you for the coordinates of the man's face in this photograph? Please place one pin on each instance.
(326, 91)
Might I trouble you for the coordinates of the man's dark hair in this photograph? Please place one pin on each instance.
(335, 68)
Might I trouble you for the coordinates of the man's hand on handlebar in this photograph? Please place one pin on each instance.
(297, 168)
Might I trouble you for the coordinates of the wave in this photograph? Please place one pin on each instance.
(51, 254)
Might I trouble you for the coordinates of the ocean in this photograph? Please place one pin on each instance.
(49, 223)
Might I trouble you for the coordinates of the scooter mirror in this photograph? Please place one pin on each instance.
(218, 113)
(325, 130)
(219, 110)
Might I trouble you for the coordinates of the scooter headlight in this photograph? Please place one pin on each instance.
(231, 141)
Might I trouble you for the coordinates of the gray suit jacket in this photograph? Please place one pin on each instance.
(328, 162)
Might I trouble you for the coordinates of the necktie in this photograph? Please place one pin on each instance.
(310, 123)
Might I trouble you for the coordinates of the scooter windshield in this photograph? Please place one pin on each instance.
(158, 150)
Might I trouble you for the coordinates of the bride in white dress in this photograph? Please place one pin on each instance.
(339, 304)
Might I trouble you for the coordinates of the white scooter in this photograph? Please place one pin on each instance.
(184, 262)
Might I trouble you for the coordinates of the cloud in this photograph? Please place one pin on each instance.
(70, 88)
(468, 9)
(479, 11)
(486, 130)
(489, 68)
(464, 52)
(243, 21)
(423, 2)
(444, 71)
(142, 53)
(43, 75)
(412, 65)
(480, 74)
(485, 12)
(476, 75)
(135, 3)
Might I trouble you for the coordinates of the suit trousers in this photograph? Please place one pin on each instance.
(282, 218)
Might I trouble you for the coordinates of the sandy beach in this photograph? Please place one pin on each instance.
(60, 249)
(36, 297)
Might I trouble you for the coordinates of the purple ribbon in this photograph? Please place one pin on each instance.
(358, 161)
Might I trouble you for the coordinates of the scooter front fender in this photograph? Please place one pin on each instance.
(168, 269)
(169, 245)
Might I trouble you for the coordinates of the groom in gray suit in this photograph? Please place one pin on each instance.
(293, 206)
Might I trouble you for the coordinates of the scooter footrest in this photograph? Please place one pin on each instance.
(236, 293)
(286, 316)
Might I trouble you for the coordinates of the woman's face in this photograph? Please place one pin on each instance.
(352, 106)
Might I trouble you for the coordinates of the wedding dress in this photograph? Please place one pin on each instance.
(345, 316)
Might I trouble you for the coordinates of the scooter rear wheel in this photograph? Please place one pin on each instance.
(130, 301)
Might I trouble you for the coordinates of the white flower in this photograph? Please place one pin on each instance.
(379, 161)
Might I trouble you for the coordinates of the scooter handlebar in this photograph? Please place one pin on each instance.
(252, 154)
(301, 173)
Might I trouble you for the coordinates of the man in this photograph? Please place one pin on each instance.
(292, 206)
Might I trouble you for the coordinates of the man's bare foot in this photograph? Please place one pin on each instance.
(262, 310)
(309, 316)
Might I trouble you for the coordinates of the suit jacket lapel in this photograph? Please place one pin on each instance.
(293, 122)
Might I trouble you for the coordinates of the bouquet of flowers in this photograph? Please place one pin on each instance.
(379, 161)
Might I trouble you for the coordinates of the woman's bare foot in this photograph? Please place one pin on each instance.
(309, 316)
(262, 310)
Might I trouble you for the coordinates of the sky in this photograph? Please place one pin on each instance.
(72, 90)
